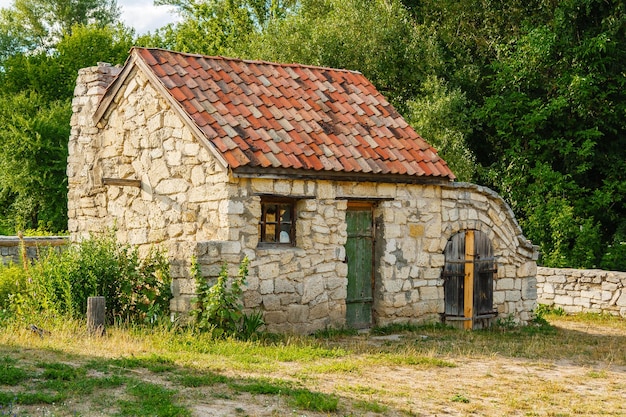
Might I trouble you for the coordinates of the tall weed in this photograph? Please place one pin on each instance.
(218, 308)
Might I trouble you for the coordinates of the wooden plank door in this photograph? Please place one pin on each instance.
(359, 256)
(454, 276)
(468, 277)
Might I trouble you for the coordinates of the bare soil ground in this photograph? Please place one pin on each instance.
(457, 378)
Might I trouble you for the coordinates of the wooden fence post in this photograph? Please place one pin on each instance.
(96, 309)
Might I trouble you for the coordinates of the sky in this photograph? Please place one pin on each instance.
(142, 15)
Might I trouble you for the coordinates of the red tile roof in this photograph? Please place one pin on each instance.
(267, 115)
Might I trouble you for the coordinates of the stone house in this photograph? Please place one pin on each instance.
(348, 217)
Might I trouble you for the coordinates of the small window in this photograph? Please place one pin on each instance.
(277, 224)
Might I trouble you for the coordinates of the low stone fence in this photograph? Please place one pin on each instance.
(11, 247)
(582, 290)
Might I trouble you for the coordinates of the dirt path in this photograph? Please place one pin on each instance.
(475, 386)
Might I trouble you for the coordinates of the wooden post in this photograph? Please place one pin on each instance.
(96, 309)
(468, 285)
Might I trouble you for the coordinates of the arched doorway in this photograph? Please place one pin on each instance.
(468, 279)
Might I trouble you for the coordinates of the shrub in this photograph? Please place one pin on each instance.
(12, 280)
(136, 290)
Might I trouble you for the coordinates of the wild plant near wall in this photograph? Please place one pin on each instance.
(59, 283)
(218, 308)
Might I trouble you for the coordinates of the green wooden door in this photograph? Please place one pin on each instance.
(359, 255)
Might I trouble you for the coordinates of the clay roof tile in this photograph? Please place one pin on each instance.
(293, 116)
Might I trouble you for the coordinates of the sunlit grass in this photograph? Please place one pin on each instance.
(322, 374)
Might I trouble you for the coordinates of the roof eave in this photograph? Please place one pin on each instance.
(284, 173)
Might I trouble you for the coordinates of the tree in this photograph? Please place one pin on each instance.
(33, 155)
(39, 24)
(553, 120)
(220, 27)
(439, 113)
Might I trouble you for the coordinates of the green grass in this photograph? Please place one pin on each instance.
(150, 400)
(163, 371)
(195, 379)
(9, 373)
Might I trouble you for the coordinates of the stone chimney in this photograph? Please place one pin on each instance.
(86, 196)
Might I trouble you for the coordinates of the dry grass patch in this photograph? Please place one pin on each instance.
(575, 367)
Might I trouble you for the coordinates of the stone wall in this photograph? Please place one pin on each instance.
(187, 202)
(576, 290)
(11, 247)
(303, 288)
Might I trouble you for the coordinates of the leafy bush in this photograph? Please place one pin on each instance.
(12, 280)
(218, 307)
(59, 283)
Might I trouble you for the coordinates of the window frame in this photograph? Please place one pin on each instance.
(278, 203)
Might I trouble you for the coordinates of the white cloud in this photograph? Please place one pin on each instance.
(144, 16)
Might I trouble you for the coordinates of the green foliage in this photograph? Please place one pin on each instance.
(376, 38)
(550, 118)
(59, 283)
(38, 24)
(543, 310)
(438, 115)
(218, 308)
(12, 280)
(32, 131)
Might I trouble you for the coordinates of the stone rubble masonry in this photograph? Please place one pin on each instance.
(34, 246)
(192, 206)
(586, 291)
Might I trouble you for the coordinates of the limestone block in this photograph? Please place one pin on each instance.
(270, 302)
(389, 258)
(325, 190)
(399, 300)
(319, 311)
(416, 230)
(275, 317)
(171, 119)
(431, 293)
(180, 304)
(298, 313)
(529, 289)
(339, 293)
(571, 309)
(563, 300)
(557, 279)
(364, 189)
(386, 190)
(284, 285)
(621, 300)
(499, 297)
(230, 247)
(527, 269)
(393, 286)
(282, 188)
(138, 236)
(313, 288)
(335, 282)
(432, 273)
(591, 294)
(547, 289)
(505, 284)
